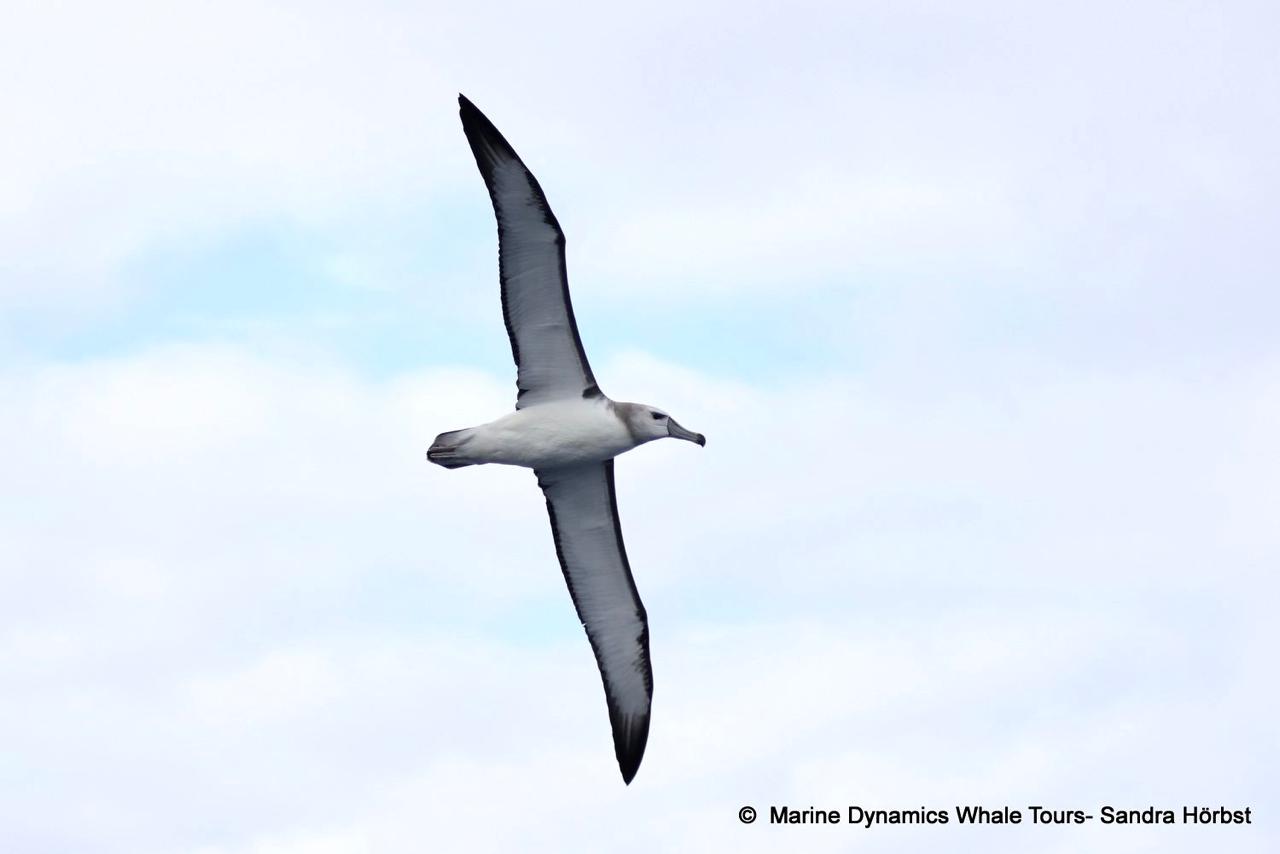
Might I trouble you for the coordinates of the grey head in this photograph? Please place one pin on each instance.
(646, 423)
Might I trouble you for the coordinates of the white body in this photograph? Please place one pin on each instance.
(558, 433)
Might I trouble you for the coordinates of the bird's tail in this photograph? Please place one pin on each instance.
(446, 450)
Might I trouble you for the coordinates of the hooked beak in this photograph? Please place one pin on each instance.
(675, 431)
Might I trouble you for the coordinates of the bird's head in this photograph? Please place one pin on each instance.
(647, 423)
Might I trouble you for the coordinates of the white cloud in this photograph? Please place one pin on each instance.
(242, 614)
(267, 605)
(891, 142)
(280, 686)
(148, 124)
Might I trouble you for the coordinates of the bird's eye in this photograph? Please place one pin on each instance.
(657, 416)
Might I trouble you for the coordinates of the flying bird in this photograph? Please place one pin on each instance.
(567, 431)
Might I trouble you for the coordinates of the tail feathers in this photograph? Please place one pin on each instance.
(446, 450)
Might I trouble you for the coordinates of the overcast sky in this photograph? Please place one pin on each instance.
(976, 303)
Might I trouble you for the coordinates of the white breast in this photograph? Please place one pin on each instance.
(552, 434)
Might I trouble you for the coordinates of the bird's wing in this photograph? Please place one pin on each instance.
(584, 521)
(550, 361)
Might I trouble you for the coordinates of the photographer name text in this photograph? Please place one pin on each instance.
(1006, 815)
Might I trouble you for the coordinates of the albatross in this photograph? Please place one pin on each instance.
(567, 431)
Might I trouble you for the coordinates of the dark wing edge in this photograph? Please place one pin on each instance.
(489, 147)
(619, 633)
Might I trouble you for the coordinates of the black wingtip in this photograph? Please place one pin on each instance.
(475, 122)
(629, 767)
(487, 142)
(629, 741)
(471, 115)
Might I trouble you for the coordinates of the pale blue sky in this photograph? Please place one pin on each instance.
(975, 303)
